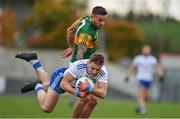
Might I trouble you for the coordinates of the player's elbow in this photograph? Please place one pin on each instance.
(62, 85)
(102, 95)
(70, 30)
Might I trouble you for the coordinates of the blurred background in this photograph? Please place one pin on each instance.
(40, 25)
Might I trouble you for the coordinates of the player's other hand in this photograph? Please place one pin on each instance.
(126, 80)
(80, 94)
(161, 79)
(89, 88)
(66, 53)
(85, 87)
(81, 86)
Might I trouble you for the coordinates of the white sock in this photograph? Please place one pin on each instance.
(38, 87)
(35, 63)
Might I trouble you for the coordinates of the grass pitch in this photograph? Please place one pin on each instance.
(28, 107)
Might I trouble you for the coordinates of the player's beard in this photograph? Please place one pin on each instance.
(99, 26)
(96, 25)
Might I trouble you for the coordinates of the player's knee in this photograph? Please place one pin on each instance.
(93, 102)
(46, 109)
(84, 100)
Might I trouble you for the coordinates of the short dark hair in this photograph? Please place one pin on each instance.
(97, 59)
(99, 10)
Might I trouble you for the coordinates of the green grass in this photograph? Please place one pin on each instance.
(27, 107)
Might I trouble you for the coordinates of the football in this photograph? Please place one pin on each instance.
(84, 83)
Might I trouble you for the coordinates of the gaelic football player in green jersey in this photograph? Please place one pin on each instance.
(82, 35)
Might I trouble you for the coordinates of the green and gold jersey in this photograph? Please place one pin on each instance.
(86, 34)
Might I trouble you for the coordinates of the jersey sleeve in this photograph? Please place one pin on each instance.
(103, 76)
(73, 70)
(78, 20)
(135, 61)
(154, 60)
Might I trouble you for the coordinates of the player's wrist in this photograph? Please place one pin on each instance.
(161, 78)
(71, 47)
(77, 93)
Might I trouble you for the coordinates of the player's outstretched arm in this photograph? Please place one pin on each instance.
(130, 72)
(100, 89)
(65, 85)
(71, 31)
(160, 72)
(66, 53)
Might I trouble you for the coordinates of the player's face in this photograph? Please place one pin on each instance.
(99, 20)
(93, 69)
(146, 50)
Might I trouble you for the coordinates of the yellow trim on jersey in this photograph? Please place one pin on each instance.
(78, 20)
(86, 40)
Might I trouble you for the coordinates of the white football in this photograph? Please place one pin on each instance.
(85, 82)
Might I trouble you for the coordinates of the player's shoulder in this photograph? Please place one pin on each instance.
(137, 57)
(80, 64)
(86, 18)
(142, 57)
(153, 58)
(103, 72)
(82, 61)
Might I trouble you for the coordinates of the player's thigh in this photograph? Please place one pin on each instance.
(51, 99)
(143, 91)
(93, 98)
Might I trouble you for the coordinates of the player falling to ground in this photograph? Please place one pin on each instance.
(145, 65)
(82, 35)
(60, 82)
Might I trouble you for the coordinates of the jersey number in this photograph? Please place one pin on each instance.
(82, 24)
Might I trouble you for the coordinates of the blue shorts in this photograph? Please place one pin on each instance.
(145, 84)
(56, 79)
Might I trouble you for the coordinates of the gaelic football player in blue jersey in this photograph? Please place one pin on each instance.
(60, 82)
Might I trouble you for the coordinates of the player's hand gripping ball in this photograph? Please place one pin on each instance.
(84, 85)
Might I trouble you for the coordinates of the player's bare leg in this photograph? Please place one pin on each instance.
(79, 106)
(143, 93)
(43, 76)
(47, 100)
(33, 59)
(89, 107)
